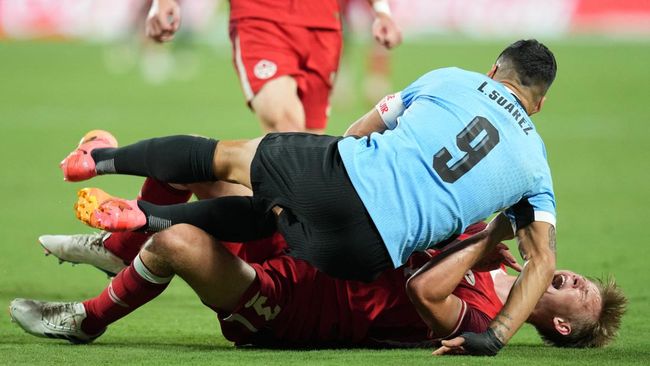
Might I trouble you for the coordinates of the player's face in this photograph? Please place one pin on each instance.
(570, 294)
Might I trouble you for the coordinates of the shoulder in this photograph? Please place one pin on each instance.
(444, 79)
(445, 71)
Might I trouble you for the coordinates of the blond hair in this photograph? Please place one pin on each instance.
(587, 333)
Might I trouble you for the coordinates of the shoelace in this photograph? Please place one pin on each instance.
(94, 242)
(60, 316)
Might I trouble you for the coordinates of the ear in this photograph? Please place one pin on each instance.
(493, 70)
(562, 326)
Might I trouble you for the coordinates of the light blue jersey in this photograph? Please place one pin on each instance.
(459, 148)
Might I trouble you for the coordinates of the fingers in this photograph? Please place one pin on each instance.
(159, 33)
(455, 342)
(166, 20)
(441, 351)
(511, 262)
(451, 347)
(444, 350)
(388, 38)
(163, 21)
(508, 259)
(175, 18)
(151, 27)
(386, 32)
(393, 38)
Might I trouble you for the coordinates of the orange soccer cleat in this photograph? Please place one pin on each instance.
(79, 164)
(100, 210)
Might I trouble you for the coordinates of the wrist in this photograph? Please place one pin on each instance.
(482, 344)
(494, 338)
(381, 7)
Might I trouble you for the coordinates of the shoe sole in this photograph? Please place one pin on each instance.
(88, 201)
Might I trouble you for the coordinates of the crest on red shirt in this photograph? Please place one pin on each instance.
(469, 277)
(265, 69)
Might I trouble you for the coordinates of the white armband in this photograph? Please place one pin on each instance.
(542, 216)
(545, 217)
(389, 108)
(381, 6)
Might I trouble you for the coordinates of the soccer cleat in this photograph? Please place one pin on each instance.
(83, 248)
(98, 209)
(51, 319)
(88, 201)
(79, 164)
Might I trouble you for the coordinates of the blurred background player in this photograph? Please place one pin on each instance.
(131, 48)
(458, 290)
(286, 54)
(374, 76)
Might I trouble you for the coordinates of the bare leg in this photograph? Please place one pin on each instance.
(278, 107)
(218, 277)
(232, 160)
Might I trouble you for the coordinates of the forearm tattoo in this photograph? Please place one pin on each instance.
(528, 232)
(551, 238)
(500, 327)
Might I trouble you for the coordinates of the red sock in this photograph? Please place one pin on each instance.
(126, 245)
(131, 288)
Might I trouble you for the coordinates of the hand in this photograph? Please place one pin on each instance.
(163, 20)
(451, 347)
(476, 344)
(493, 260)
(386, 31)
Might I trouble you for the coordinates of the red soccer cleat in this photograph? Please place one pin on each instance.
(98, 209)
(79, 164)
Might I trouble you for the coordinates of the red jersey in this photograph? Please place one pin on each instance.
(305, 13)
(294, 305)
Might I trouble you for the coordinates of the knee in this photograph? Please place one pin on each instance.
(282, 118)
(170, 244)
(278, 106)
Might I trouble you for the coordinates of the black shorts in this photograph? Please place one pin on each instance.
(324, 221)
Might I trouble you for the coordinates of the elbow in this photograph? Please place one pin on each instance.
(351, 131)
(415, 290)
(418, 291)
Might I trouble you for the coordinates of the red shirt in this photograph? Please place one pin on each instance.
(304, 13)
(318, 309)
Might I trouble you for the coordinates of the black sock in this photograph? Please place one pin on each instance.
(233, 218)
(172, 159)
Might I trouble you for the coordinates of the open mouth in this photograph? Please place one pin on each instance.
(558, 281)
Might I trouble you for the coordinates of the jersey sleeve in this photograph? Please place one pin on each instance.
(536, 205)
(539, 207)
(469, 319)
(473, 321)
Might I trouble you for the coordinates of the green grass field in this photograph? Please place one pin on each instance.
(595, 126)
